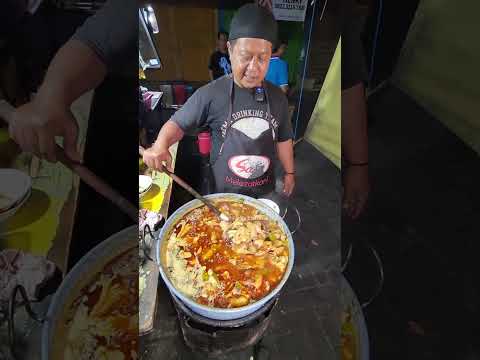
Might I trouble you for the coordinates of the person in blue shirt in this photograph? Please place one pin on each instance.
(220, 64)
(278, 69)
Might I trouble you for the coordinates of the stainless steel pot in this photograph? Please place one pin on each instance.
(54, 330)
(210, 312)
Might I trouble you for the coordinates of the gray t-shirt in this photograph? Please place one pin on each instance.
(209, 106)
(112, 33)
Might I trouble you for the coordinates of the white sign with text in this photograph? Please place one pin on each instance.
(289, 10)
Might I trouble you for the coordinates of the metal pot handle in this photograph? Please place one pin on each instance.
(381, 281)
(298, 216)
(11, 313)
(289, 204)
(380, 274)
(145, 248)
(148, 231)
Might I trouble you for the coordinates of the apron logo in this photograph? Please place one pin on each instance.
(249, 166)
(252, 127)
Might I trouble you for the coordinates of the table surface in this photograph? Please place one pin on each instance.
(149, 270)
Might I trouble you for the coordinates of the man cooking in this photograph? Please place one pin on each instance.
(248, 117)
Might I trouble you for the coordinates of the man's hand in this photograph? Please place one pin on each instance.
(157, 157)
(288, 184)
(285, 154)
(356, 187)
(74, 70)
(158, 154)
(34, 127)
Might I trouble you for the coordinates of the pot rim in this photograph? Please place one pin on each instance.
(70, 282)
(171, 221)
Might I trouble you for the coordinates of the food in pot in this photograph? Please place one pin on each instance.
(347, 337)
(226, 264)
(103, 321)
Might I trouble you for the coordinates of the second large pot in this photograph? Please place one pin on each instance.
(54, 328)
(210, 312)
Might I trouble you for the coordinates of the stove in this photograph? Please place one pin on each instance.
(216, 338)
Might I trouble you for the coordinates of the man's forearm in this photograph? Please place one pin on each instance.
(285, 154)
(169, 134)
(210, 73)
(354, 125)
(74, 70)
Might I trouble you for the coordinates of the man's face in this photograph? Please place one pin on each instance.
(250, 58)
(222, 42)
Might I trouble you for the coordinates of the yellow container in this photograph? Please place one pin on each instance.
(153, 199)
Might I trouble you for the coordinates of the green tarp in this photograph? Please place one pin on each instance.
(324, 127)
(439, 63)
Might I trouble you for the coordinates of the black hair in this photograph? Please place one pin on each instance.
(278, 44)
(222, 33)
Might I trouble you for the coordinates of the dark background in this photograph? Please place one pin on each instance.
(422, 216)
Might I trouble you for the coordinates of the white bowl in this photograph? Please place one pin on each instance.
(144, 184)
(16, 186)
(271, 204)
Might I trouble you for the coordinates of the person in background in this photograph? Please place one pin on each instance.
(277, 72)
(219, 64)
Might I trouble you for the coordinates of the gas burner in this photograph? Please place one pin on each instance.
(216, 338)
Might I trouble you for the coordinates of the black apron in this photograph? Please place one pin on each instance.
(245, 165)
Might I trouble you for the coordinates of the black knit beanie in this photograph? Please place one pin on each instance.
(253, 21)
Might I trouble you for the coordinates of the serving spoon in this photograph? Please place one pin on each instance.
(182, 183)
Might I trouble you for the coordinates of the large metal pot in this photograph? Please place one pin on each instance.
(210, 312)
(54, 330)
